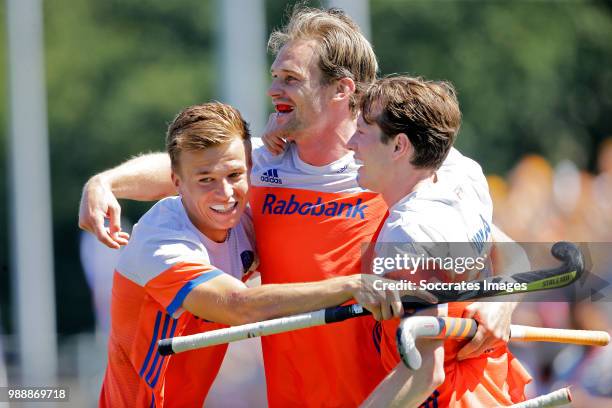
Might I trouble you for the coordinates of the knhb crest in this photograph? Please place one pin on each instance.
(248, 259)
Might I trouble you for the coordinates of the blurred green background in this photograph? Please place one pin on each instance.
(532, 77)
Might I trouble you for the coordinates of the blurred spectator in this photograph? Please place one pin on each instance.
(99, 263)
(542, 203)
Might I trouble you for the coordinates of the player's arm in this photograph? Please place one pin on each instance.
(508, 256)
(143, 178)
(403, 387)
(225, 299)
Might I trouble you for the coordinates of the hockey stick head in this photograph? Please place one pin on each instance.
(409, 330)
(406, 346)
(570, 255)
(571, 269)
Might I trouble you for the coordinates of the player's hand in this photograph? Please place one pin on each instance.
(274, 136)
(97, 204)
(494, 320)
(382, 302)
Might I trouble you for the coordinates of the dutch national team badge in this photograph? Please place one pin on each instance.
(248, 261)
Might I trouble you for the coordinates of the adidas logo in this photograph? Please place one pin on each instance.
(271, 176)
(343, 169)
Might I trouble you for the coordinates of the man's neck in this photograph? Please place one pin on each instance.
(328, 146)
(399, 185)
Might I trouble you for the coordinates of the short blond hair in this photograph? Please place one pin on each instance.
(342, 49)
(200, 127)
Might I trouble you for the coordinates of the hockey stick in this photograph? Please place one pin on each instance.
(412, 328)
(568, 272)
(557, 398)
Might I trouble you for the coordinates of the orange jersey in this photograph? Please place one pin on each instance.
(165, 259)
(311, 224)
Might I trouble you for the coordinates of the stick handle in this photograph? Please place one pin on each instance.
(458, 328)
(415, 327)
(554, 399)
(584, 337)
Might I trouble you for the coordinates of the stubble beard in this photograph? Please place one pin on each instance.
(293, 128)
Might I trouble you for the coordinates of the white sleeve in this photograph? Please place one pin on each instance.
(468, 173)
(256, 142)
(153, 251)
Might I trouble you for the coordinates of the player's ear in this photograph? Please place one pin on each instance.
(176, 180)
(402, 146)
(345, 87)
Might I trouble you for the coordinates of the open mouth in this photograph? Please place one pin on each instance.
(224, 208)
(283, 108)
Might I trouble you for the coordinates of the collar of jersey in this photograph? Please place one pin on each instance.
(331, 168)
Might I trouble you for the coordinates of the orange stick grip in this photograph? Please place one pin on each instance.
(458, 328)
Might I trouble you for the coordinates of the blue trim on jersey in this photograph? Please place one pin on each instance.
(185, 290)
(157, 355)
(153, 344)
(377, 335)
(163, 358)
(152, 402)
(432, 401)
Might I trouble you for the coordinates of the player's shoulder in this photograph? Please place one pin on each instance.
(406, 235)
(410, 225)
(162, 238)
(167, 219)
(465, 174)
(460, 168)
(423, 216)
(455, 159)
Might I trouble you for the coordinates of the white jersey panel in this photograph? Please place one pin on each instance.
(455, 209)
(287, 170)
(165, 236)
(461, 171)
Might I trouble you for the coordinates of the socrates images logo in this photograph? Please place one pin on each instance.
(271, 176)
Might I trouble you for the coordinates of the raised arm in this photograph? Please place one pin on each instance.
(143, 178)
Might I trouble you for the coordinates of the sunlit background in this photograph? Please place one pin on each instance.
(534, 80)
